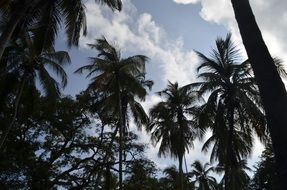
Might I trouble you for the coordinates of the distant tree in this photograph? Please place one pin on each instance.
(171, 180)
(203, 179)
(238, 179)
(141, 176)
(171, 123)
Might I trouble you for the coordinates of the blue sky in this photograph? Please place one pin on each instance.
(168, 31)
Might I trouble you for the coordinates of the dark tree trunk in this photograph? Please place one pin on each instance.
(230, 156)
(121, 129)
(180, 159)
(108, 178)
(182, 148)
(271, 87)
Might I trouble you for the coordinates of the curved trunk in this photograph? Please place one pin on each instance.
(271, 87)
(15, 114)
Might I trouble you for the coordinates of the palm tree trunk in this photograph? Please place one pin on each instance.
(14, 20)
(121, 127)
(180, 158)
(16, 107)
(230, 157)
(271, 87)
(186, 171)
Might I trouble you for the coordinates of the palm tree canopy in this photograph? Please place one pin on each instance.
(22, 59)
(239, 178)
(229, 85)
(202, 176)
(171, 121)
(110, 73)
(44, 18)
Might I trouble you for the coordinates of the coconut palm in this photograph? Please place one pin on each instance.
(44, 18)
(120, 83)
(239, 179)
(171, 125)
(233, 109)
(170, 180)
(271, 87)
(201, 173)
(30, 65)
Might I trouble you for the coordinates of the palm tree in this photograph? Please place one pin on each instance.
(28, 64)
(239, 179)
(171, 124)
(170, 180)
(119, 82)
(44, 18)
(271, 87)
(233, 110)
(203, 179)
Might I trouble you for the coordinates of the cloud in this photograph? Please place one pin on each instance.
(135, 33)
(186, 1)
(271, 17)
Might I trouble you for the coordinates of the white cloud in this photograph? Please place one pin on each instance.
(140, 34)
(271, 17)
(186, 1)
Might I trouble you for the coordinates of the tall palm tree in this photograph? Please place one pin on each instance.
(44, 18)
(119, 82)
(203, 179)
(171, 125)
(28, 64)
(233, 109)
(271, 87)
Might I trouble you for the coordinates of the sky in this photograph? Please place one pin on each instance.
(168, 32)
